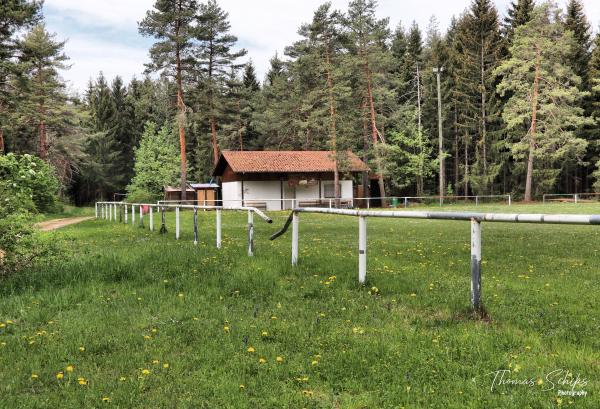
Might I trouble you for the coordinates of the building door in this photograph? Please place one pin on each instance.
(289, 192)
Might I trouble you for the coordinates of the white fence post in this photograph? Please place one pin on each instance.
(195, 226)
(576, 198)
(126, 208)
(132, 215)
(96, 209)
(250, 233)
(177, 223)
(476, 264)
(510, 200)
(295, 225)
(151, 223)
(115, 209)
(362, 249)
(102, 211)
(218, 228)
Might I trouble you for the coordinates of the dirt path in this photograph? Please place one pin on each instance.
(58, 223)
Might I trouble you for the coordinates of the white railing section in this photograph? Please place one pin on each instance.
(108, 211)
(574, 197)
(344, 202)
(474, 218)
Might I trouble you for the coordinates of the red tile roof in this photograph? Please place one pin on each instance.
(284, 162)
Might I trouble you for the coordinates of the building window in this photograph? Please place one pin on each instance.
(329, 190)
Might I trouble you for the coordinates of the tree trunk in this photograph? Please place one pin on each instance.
(532, 132)
(466, 172)
(181, 122)
(42, 136)
(1, 141)
(483, 122)
(374, 133)
(213, 138)
(456, 153)
(365, 175)
(333, 130)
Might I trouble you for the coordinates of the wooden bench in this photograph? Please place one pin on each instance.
(258, 205)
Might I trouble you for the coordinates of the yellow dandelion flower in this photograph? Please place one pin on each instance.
(105, 399)
(251, 349)
(517, 368)
(314, 362)
(34, 376)
(242, 386)
(147, 337)
(2, 325)
(9, 322)
(539, 381)
(69, 368)
(264, 333)
(413, 295)
(155, 361)
(60, 375)
(196, 318)
(145, 371)
(273, 317)
(226, 328)
(165, 365)
(122, 379)
(262, 360)
(279, 359)
(82, 381)
(180, 295)
(82, 349)
(154, 330)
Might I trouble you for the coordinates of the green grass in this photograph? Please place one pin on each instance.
(132, 298)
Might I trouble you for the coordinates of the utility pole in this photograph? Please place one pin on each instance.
(438, 72)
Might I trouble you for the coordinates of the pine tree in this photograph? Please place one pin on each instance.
(215, 59)
(368, 36)
(171, 23)
(41, 87)
(15, 15)
(544, 95)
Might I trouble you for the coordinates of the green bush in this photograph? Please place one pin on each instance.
(142, 196)
(27, 176)
(27, 185)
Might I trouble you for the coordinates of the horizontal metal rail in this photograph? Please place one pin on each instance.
(108, 210)
(473, 217)
(351, 202)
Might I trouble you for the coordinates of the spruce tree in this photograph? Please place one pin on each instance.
(171, 23)
(519, 13)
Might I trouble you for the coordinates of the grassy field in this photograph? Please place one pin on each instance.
(129, 318)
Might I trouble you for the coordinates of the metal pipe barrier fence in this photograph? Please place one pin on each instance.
(475, 219)
(575, 197)
(108, 211)
(345, 202)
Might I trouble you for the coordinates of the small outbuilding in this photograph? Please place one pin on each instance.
(278, 180)
(206, 193)
(174, 193)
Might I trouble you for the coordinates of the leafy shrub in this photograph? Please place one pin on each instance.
(27, 185)
(29, 176)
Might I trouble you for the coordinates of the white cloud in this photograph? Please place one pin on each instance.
(263, 27)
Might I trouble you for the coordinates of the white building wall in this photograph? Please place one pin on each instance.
(232, 193)
(262, 191)
(269, 191)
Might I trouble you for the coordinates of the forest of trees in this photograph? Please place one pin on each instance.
(520, 99)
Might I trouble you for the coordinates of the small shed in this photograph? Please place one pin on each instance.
(174, 193)
(206, 193)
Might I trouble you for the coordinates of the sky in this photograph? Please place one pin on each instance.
(102, 35)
